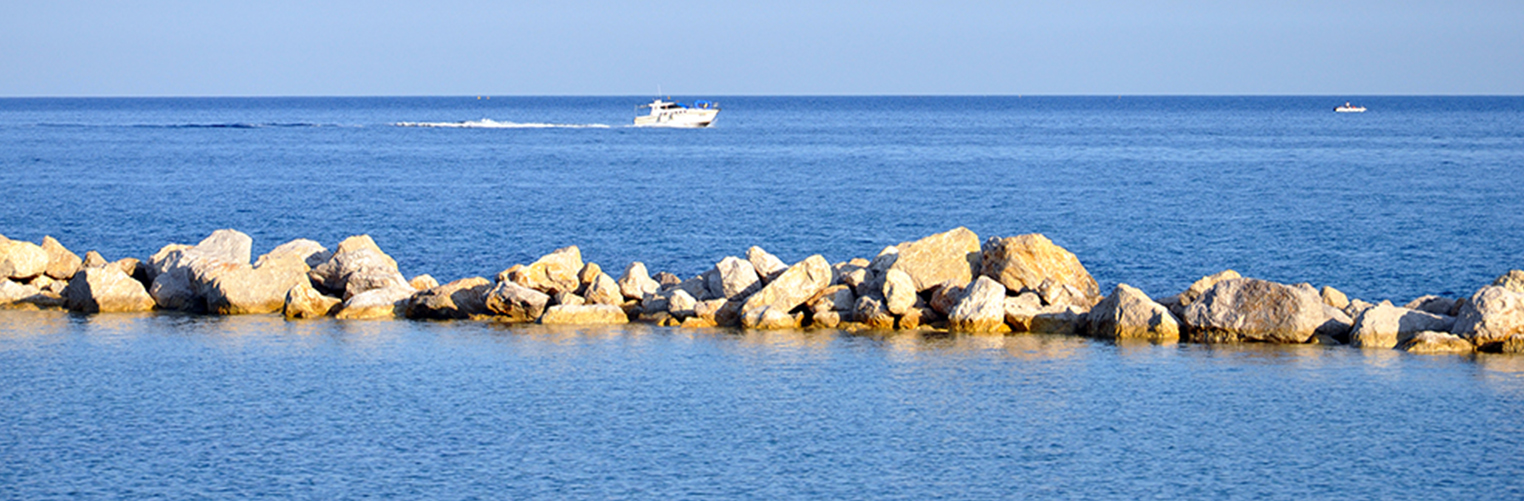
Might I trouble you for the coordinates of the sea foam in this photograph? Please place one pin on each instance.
(487, 123)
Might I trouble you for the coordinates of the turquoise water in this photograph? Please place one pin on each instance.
(1417, 196)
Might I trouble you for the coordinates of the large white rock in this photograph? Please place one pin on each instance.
(1492, 316)
(106, 289)
(1247, 309)
(982, 309)
(1025, 262)
(1385, 326)
(732, 278)
(1128, 313)
(791, 288)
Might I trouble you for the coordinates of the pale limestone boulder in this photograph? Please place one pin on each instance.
(423, 282)
(732, 278)
(585, 278)
(455, 300)
(357, 259)
(696, 287)
(307, 251)
(1492, 316)
(1333, 297)
(1024, 262)
(665, 280)
(61, 263)
(900, 291)
(767, 266)
(586, 314)
(1434, 304)
(771, 318)
(878, 269)
(952, 255)
(982, 309)
(1247, 309)
(712, 310)
(854, 270)
(1434, 343)
(1128, 313)
(21, 261)
(1021, 309)
(636, 282)
(946, 296)
(552, 273)
(183, 276)
(1385, 326)
(1058, 319)
(1513, 280)
(1357, 306)
(240, 289)
(516, 303)
(304, 301)
(917, 316)
(834, 298)
(12, 292)
(1337, 326)
(681, 304)
(696, 322)
(93, 260)
(602, 289)
(106, 289)
(377, 304)
(1197, 288)
(567, 298)
(828, 319)
(871, 312)
(164, 258)
(791, 288)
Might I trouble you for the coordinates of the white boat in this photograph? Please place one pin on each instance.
(1349, 108)
(674, 114)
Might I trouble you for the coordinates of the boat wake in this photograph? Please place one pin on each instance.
(487, 123)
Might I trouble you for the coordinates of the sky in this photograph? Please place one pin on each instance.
(778, 47)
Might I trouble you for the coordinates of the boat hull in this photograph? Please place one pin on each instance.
(686, 117)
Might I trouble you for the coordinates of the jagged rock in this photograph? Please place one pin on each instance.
(106, 289)
(1333, 297)
(385, 303)
(94, 259)
(304, 301)
(21, 260)
(982, 309)
(769, 317)
(1433, 343)
(357, 265)
(952, 255)
(586, 314)
(878, 269)
(696, 287)
(946, 296)
(1337, 326)
(712, 310)
(666, 280)
(61, 263)
(1433, 304)
(568, 298)
(871, 312)
(1514, 344)
(635, 283)
(12, 292)
(307, 251)
(1021, 309)
(1513, 280)
(1384, 326)
(681, 304)
(851, 274)
(1356, 307)
(732, 278)
(900, 291)
(455, 300)
(182, 276)
(516, 303)
(1128, 313)
(827, 319)
(791, 288)
(767, 266)
(658, 301)
(239, 289)
(1247, 309)
(589, 273)
(917, 316)
(423, 282)
(1492, 316)
(833, 298)
(1024, 262)
(1058, 319)
(1197, 288)
(603, 290)
(552, 273)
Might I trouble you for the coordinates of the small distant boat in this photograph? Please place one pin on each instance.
(1349, 108)
(675, 114)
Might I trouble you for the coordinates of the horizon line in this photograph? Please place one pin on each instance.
(485, 96)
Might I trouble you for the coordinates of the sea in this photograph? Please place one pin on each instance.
(1418, 195)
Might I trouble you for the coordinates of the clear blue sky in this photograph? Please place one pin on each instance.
(443, 47)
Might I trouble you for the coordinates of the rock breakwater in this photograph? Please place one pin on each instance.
(949, 282)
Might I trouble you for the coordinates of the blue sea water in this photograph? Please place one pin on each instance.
(1420, 195)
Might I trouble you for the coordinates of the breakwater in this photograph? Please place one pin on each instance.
(952, 281)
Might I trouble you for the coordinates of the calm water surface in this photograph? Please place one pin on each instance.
(175, 406)
(1417, 196)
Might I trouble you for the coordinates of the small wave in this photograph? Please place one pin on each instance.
(487, 123)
